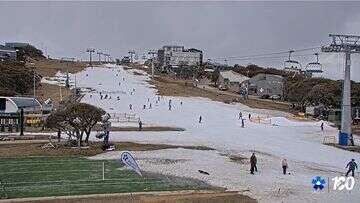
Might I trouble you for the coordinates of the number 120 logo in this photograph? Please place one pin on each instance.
(342, 182)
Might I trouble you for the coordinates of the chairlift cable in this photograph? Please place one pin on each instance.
(269, 54)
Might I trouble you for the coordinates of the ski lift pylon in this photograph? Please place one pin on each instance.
(314, 67)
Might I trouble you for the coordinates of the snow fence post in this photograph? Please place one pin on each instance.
(103, 171)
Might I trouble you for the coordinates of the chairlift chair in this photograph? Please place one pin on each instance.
(292, 65)
(314, 67)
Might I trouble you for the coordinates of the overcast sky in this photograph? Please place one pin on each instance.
(220, 29)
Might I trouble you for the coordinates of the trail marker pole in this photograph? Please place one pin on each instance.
(103, 171)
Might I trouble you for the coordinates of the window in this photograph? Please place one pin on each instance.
(2, 104)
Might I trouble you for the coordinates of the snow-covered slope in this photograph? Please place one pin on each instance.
(299, 142)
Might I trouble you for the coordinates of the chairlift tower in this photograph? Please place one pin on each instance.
(131, 52)
(99, 53)
(66, 60)
(90, 50)
(348, 44)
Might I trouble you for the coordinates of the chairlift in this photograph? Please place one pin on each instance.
(314, 67)
(292, 65)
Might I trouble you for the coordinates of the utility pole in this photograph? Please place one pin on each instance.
(99, 53)
(348, 44)
(90, 50)
(32, 65)
(152, 52)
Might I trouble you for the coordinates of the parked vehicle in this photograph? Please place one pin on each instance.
(275, 97)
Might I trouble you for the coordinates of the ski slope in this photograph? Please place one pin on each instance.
(299, 142)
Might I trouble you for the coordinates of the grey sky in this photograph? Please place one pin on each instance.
(220, 29)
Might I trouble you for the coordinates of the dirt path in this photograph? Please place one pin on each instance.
(156, 197)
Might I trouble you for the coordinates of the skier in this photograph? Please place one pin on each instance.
(181, 103)
(352, 166)
(144, 107)
(101, 97)
(59, 135)
(200, 119)
(130, 106)
(284, 165)
(242, 123)
(351, 138)
(150, 106)
(249, 116)
(140, 125)
(322, 126)
(148, 99)
(240, 115)
(253, 162)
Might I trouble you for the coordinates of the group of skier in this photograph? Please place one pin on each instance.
(352, 166)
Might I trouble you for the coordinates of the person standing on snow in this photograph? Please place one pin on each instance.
(322, 126)
(200, 119)
(284, 165)
(140, 125)
(242, 123)
(249, 116)
(352, 166)
(240, 115)
(253, 162)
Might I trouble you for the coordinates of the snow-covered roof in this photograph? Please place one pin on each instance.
(233, 76)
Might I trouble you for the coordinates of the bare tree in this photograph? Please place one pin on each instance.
(76, 120)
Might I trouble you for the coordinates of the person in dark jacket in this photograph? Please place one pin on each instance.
(253, 162)
(140, 126)
(284, 165)
(352, 166)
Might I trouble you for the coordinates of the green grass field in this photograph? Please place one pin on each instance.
(53, 176)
